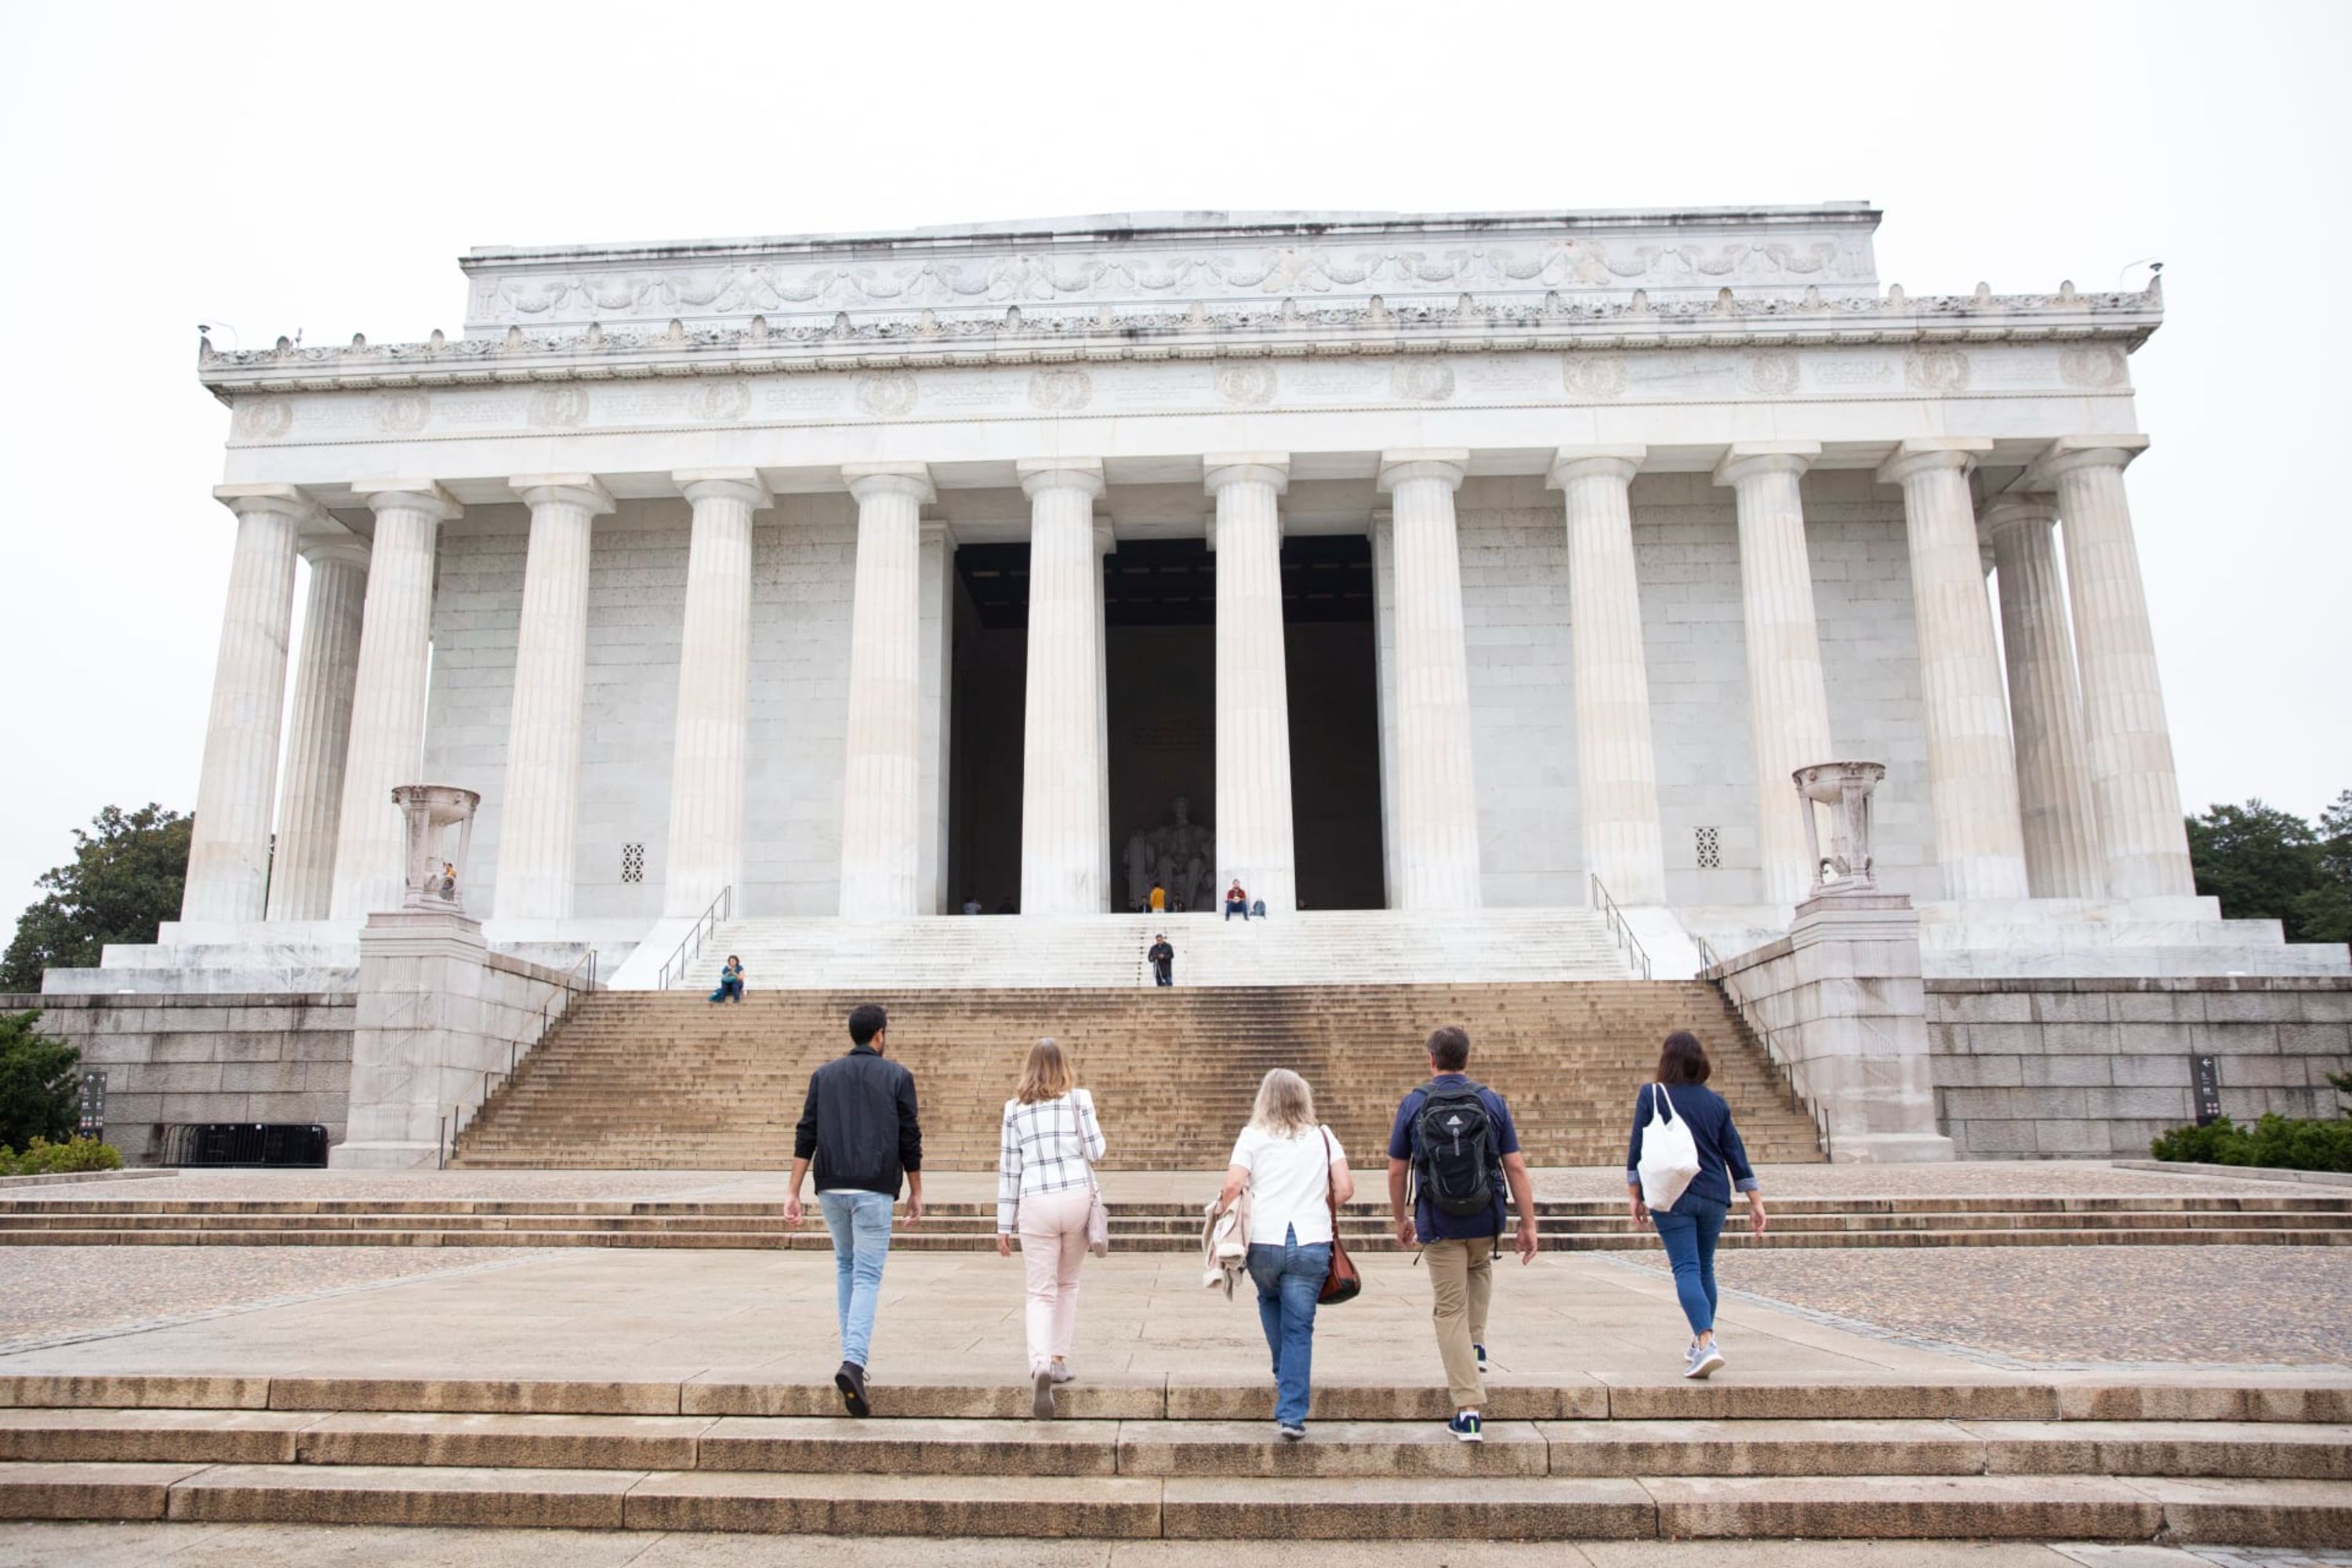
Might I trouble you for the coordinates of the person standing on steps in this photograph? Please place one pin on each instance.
(1458, 1142)
(1045, 1193)
(1159, 899)
(1164, 961)
(1296, 1172)
(1690, 1224)
(859, 1129)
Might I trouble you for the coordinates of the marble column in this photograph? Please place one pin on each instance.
(229, 854)
(1616, 761)
(1254, 840)
(2127, 739)
(2045, 703)
(1106, 546)
(1064, 839)
(939, 547)
(387, 744)
(1789, 704)
(1384, 539)
(1972, 770)
(711, 753)
(539, 810)
(1436, 805)
(302, 884)
(881, 809)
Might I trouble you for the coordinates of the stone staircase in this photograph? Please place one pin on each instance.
(1316, 947)
(638, 1079)
(2246, 1464)
(1574, 1226)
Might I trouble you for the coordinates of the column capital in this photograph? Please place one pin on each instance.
(1745, 459)
(408, 495)
(2069, 453)
(585, 491)
(2008, 513)
(289, 500)
(1222, 469)
(344, 550)
(1060, 474)
(1448, 464)
(1105, 537)
(743, 484)
(1918, 457)
(1571, 463)
(936, 528)
(914, 480)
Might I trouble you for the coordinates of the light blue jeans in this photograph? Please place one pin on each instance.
(1690, 1233)
(860, 1224)
(1289, 1280)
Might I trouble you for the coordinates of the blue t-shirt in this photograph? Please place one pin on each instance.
(1433, 1223)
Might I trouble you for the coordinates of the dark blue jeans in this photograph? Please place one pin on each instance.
(1290, 1279)
(1690, 1233)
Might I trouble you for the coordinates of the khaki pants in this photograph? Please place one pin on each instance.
(1460, 1283)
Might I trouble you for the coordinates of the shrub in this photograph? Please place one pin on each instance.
(43, 1158)
(2275, 1142)
(40, 1090)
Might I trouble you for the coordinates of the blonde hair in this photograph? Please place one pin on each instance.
(1047, 1074)
(1286, 1105)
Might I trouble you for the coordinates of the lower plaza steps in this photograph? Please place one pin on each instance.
(654, 1080)
(2246, 1464)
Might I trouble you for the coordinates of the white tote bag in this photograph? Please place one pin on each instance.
(1669, 1155)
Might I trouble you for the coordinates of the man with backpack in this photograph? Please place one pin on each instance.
(1456, 1141)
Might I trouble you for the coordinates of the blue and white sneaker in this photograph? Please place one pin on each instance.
(1702, 1362)
(1292, 1431)
(1482, 1359)
(1465, 1427)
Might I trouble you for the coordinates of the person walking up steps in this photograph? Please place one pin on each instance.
(1294, 1171)
(1689, 1221)
(1456, 1141)
(859, 1129)
(1045, 1193)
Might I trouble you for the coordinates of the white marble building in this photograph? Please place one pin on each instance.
(662, 556)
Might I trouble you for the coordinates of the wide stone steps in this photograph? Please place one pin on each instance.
(2197, 1462)
(662, 1079)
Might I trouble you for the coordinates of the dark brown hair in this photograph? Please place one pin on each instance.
(1683, 1060)
(1449, 1048)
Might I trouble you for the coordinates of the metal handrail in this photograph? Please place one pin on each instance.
(706, 924)
(1627, 941)
(1773, 1054)
(551, 1012)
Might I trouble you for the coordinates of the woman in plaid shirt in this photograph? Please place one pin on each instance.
(1044, 1189)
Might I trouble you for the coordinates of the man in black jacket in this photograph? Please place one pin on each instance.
(859, 1128)
(1164, 961)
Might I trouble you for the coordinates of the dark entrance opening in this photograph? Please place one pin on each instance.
(1160, 613)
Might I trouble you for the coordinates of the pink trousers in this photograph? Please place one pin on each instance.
(1053, 1246)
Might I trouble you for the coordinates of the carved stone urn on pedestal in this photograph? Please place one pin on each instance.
(1845, 788)
(436, 879)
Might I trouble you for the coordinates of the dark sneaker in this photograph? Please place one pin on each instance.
(851, 1381)
(1482, 1359)
(1465, 1426)
(1292, 1431)
(1041, 1396)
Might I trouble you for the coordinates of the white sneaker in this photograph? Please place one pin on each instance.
(1702, 1362)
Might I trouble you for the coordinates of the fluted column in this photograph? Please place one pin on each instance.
(1384, 539)
(1106, 546)
(881, 848)
(1971, 770)
(1254, 839)
(1616, 761)
(229, 855)
(301, 882)
(1063, 834)
(387, 744)
(1437, 801)
(539, 814)
(2045, 703)
(2127, 738)
(937, 547)
(708, 758)
(1789, 704)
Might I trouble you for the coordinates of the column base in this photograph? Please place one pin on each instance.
(383, 1156)
(1891, 1149)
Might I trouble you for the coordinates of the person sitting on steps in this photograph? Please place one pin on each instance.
(730, 981)
(1237, 902)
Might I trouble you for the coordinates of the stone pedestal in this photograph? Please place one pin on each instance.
(417, 1047)
(1859, 1039)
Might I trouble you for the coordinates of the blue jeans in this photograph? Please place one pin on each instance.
(860, 1223)
(1690, 1233)
(1289, 1279)
(729, 991)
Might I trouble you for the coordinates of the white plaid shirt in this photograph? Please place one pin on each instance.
(1048, 1147)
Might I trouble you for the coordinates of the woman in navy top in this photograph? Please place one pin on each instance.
(1691, 1226)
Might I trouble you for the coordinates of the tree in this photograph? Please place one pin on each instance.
(2326, 911)
(39, 1089)
(123, 880)
(2259, 861)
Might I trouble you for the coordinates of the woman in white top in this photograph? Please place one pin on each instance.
(1044, 1188)
(1294, 1168)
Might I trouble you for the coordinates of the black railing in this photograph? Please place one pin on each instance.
(264, 1143)
(705, 925)
(1635, 954)
(1791, 1082)
(551, 1012)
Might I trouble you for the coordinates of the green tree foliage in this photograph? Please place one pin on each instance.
(123, 880)
(2259, 861)
(40, 1092)
(2326, 910)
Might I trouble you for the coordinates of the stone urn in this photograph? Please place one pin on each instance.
(436, 879)
(1845, 788)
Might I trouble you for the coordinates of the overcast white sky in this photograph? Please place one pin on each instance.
(320, 166)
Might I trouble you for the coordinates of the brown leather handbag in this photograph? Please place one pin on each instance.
(1342, 1283)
